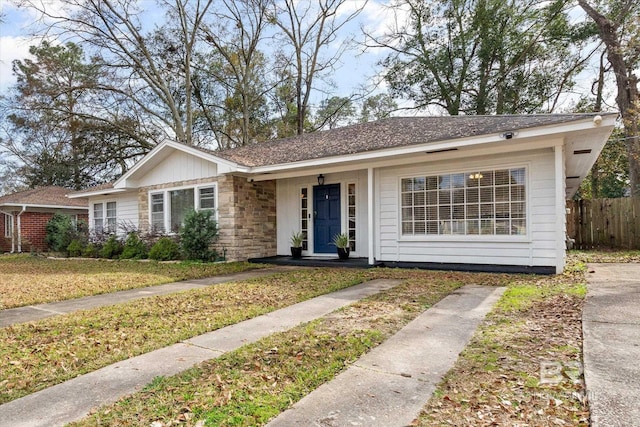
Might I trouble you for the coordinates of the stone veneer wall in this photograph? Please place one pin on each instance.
(247, 217)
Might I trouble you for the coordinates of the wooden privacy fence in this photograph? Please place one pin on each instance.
(604, 223)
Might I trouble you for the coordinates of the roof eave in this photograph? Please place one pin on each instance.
(441, 145)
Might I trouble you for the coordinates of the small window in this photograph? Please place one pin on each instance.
(98, 219)
(157, 212)
(8, 226)
(207, 198)
(304, 217)
(110, 217)
(351, 215)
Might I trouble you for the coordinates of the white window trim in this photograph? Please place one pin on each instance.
(196, 202)
(103, 210)
(500, 238)
(8, 226)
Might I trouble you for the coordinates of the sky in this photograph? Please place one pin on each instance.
(356, 68)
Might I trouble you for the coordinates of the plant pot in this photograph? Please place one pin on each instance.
(296, 252)
(343, 253)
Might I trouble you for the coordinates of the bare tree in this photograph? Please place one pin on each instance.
(116, 31)
(619, 29)
(235, 34)
(309, 29)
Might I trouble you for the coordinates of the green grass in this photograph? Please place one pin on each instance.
(497, 376)
(26, 280)
(39, 354)
(251, 385)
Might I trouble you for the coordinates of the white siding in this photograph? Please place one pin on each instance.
(126, 208)
(179, 166)
(537, 248)
(288, 208)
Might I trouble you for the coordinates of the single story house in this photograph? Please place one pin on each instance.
(25, 215)
(483, 191)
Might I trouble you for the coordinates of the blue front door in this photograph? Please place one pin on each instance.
(326, 213)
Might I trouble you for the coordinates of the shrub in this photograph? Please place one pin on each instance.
(75, 248)
(197, 235)
(60, 232)
(92, 250)
(165, 249)
(134, 248)
(112, 248)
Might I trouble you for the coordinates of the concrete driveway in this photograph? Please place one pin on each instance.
(611, 329)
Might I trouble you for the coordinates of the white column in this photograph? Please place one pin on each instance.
(370, 215)
(560, 197)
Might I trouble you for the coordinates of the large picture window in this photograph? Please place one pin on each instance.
(490, 202)
(168, 208)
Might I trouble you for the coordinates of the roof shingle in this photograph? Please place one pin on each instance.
(388, 133)
(44, 196)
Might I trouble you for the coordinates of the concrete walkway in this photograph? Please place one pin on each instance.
(12, 316)
(611, 331)
(389, 385)
(74, 399)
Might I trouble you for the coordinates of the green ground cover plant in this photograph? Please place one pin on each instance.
(27, 280)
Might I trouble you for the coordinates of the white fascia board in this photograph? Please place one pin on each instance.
(536, 132)
(32, 205)
(103, 192)
(125, 180)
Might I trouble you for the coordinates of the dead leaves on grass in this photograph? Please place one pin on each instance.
(26, 280)
(497, 379)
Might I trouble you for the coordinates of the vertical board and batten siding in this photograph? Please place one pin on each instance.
(538, 248)
(288, 208)
(126, 208)
(179, 166)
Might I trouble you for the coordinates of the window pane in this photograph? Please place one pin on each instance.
(157, 212)
(476, 202)
(207, 198)
(182, 201)
(97, 217)
(111, 217)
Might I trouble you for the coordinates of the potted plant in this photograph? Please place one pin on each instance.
(342, 244)
(296, 244)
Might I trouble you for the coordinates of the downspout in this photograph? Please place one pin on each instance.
(24, 208)
(13, 242)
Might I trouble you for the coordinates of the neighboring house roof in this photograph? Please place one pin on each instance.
(44, 197)
(383, 134)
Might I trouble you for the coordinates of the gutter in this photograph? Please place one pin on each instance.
(13, 243)
(24, 208)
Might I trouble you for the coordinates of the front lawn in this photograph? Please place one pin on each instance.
(27, 280)
(39, 354)
(523, 365)
(251, 385)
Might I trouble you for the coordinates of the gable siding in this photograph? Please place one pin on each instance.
(179, 166)
(539, 249)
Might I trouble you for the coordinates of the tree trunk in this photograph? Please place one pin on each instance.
(627, 86)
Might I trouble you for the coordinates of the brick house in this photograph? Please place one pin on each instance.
(25, 215)
(480, 191)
